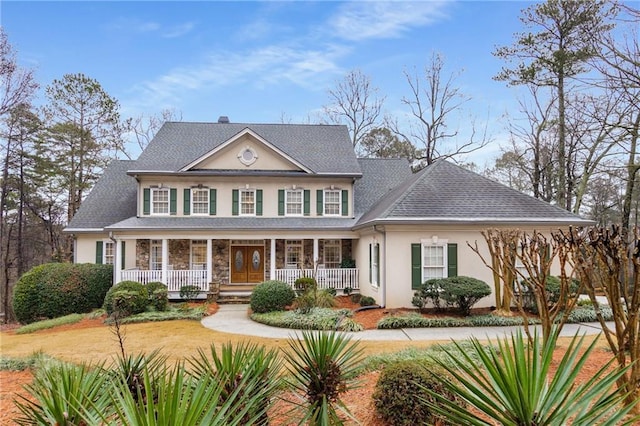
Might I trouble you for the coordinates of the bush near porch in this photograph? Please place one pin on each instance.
(56, 289)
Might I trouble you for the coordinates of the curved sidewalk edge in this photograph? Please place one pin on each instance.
(233, 319)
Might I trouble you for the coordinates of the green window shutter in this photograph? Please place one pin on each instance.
(319, 203)
(146, 204)
(452, 260)
(213, 193)
(99, 252)
(235, 199)
(307, 202)
(258, 202)
(123, 256)
(416, 266)
(187, 201)
(173, 196)
(377, 252)
(370, 263)
(345, 202)
(280, 202)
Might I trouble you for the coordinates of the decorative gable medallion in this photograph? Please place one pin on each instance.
(247, 156)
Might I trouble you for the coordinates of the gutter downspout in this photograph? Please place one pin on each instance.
(383, 281)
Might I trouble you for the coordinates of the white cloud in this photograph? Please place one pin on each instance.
(137, 26)
(178, 30)
(267, 66)
(372, 19)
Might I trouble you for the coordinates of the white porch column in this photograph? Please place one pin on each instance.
(272, 260)
(117, 260)
(165, 260)
(316, 258)
(209, 261)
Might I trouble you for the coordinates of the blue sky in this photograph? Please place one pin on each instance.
(262, 61)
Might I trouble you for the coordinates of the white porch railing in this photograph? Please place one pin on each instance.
(338, 278)
(174, 280)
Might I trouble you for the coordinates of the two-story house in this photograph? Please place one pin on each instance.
(234, 204)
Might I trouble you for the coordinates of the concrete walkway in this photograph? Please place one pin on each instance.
(234, 319)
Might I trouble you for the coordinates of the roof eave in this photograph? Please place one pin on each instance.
(82, 230)
(474, 221)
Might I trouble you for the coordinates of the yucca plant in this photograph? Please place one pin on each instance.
(182, 399)
(511, 384)
(322, 366)
(130, 368)
(246, 361)
(65, 394)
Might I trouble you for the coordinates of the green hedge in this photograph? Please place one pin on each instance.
(271, 296)
(131, 296)
(56, 289)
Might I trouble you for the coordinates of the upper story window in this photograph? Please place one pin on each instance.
(159, 200)
(294, 200)
(200, 201)
(108, 255)
(247, 202)
(332, 202)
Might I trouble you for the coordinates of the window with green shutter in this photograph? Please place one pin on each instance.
(258, 202)
(213, 193)
(280, 202)
(235, 202)
(99, 252)
(319, 202)
(123, 256)
(416, 266)
(186, 205)
(452, 260)
(345, 202)
(173, 201)
(307, 202)
(146, 201)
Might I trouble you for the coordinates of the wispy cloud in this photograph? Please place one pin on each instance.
(375, 20)
(267, 66)
(137, 26)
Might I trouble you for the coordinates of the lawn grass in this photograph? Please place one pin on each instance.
(50, 323)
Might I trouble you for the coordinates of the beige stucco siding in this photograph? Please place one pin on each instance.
(86, 249)
(227, 158)
(225, 185)
(396, 255)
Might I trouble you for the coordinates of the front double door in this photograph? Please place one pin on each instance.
(247, 264)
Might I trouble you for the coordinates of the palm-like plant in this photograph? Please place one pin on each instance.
(322, 366)
(511, 384)
(131, 367)
(246, 364)
(65, 394)
(182, 399)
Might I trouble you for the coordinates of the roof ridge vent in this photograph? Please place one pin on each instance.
(223, 119)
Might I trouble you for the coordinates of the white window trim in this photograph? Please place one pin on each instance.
(206, 190)
(286, 202)
(105, 244)
(152, 203)
(191, 245)
(294, 243)
(255, 201)
(434, 242)
(324, 202)
(153, 243)
(324, 251)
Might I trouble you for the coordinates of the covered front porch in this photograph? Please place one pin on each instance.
(211, 264)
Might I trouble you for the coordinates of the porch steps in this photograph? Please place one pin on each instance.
(235, 293)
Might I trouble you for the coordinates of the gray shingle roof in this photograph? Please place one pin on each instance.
(379, 176)
(445, 192)
(325, 149)
(234, 223)
(112, 199)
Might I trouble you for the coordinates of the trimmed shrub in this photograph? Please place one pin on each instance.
(463, 292)
(135, 306)
(189, 292)
(400, 390)
(56, 289)
(429, 292)
(553, 292)
(271, 296)
(355, 297)
(347, 290)
(128, 302)
(367, 301)
(158, 295)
